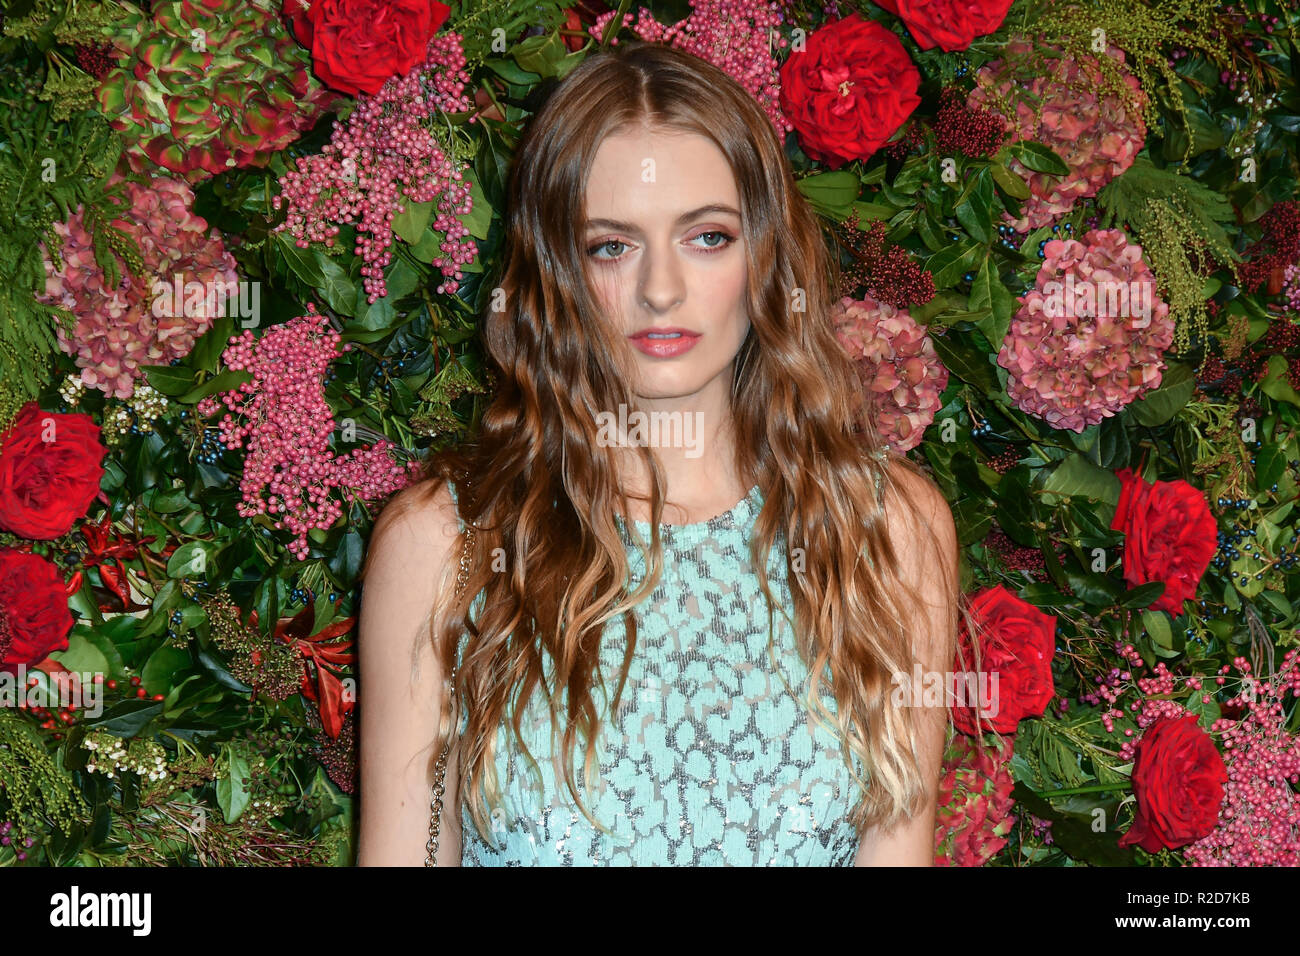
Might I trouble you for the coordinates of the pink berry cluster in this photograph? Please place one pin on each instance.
(738, 36)
(1259, 824)
(282, 418)
(385, 155)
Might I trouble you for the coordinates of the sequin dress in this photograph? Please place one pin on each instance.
(716, 763)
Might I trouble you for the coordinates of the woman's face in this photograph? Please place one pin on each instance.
(666, 252)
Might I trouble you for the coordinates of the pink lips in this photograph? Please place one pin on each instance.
(665, 343)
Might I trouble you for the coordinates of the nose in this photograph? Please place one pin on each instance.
(662, 285)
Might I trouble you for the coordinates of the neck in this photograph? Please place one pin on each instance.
(693, 439)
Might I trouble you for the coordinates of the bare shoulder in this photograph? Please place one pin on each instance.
(418, 518)
(919, 517)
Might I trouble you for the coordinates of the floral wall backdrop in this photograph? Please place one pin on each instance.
(243, 246)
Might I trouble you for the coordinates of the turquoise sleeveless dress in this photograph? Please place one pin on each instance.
(715, 763)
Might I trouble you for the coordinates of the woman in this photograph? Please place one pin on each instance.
(669, 380)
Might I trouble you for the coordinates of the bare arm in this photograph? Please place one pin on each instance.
(400, 694)
(927, 547)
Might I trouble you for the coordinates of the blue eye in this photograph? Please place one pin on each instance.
(727, 238)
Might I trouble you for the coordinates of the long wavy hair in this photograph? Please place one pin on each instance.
(544, 492)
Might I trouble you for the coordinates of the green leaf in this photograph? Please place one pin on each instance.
(233, 795)
(129, 717)
(479, 220)
(430, 244)
(968, 364)
(1015, 508)
(171, 380)
(831, 192)
(226, 381)
(1270, 463)
(377, 316)
(1045, 596)
(411, 222)
(1142, 596)
(302, 262)
(974, 208)
(1175, 390)
(1275, 384)
(910, 177)
(1156, 624)
(158, 671)
(1074, 833)
(338, 290)
(988, 292)
(1039, 158)
(1011, 184)
(190, 560)
(872, 211)
(82, 656)
(950, 264)
(1078, 476)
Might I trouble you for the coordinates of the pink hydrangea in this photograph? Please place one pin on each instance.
(116, 329)
(975, 802)
(1098, 136)
(902, 377)
(1089, 338)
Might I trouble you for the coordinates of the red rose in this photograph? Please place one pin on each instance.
(948, 24)
(49, 471)
(849, 90)
(1017, 644)
(1178, 778)
(357, 45)
(1169, 536)
(34, 615)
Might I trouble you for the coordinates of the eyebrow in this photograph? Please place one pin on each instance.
(683, 218)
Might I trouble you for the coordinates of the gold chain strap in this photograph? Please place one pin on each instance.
(440, 768)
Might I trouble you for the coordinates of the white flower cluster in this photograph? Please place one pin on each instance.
(71, 390)
(143, 757)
